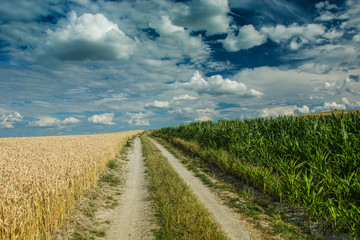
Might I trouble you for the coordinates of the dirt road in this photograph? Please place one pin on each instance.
(132, 219)
(222, 214)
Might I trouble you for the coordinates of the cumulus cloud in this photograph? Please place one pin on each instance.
(70, 120)
(346, 102)
(216, 86)
(46, 121)
(327, 106)
(356, 38)
(327, 12)
(8, 121)
(184, 97)
(89, 37)
(294, 35)
(138, 119)
(303, 109)
(282, 33)
(299, 34)
(105, 118)
(205, 114)
(158, 104)
(208, 15)
(351, 84)
(176, 37)
(337, 56)
(284, 110)
(247, 37)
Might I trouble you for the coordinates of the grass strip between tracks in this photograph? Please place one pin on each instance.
(179, 214)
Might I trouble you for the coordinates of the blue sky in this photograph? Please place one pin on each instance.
(85, 66)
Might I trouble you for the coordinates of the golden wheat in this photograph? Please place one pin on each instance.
(41, 179)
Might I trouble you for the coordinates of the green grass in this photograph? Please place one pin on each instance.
(98, 233)
(112, 164)
(179, 214)
(127, 146)
(110, 179)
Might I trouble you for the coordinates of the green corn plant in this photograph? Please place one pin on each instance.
(302, 160)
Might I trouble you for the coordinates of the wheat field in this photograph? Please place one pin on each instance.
(41, 179)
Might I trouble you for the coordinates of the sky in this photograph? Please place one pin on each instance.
(97, 66)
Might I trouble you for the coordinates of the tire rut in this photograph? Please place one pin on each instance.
(132, 219)
(221, 213)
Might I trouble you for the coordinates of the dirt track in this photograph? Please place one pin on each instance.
(222, 214)
(132, 219)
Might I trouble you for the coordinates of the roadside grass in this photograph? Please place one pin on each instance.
(83, 225)
(179, 214)
(126, 148)
(272, 219)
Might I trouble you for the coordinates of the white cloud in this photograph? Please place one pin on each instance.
(303, 109)
(284, 110)
(190, 114)
(158, 104)
(351, 84)
(312, 67)
(327, 106)
(205, 114)
(105, 118)
(300, 34)
(345, 101)
(184, 97)
(208, 15)
(247, 37)
(138, 119)
(46, 121)
(182, 113)
(18, 10)
(282, 86)
(327, 13)
(174, 37)
(70, 120)
(89, 37)
(7, 121)
(140, 122)
(203, 118)
(337, 56)
(356, 38)
(216, 85)
(113, 98)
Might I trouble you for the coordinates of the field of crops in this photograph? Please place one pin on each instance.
(311, 163)
(42, 178)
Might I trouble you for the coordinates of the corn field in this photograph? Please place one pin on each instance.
(311, 163)
(42, 178)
